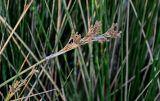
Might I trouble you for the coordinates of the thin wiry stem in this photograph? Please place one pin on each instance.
(126, 77)
(143, 32)
(14, 29)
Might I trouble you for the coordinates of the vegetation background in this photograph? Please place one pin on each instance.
(124, 69)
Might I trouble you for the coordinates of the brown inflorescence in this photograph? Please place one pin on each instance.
(113, 31)
(92, 32)
(92, 35)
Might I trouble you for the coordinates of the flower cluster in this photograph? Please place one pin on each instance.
(92, 35)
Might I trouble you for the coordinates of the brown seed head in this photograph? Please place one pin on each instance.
(113, 31)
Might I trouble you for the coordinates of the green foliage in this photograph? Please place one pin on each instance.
(125, 68)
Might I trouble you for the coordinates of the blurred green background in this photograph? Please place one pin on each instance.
(124, 69)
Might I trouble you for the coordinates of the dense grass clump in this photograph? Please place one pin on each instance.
(79, 50)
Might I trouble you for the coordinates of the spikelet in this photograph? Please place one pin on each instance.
(113, 31)
(93, 35)
(92, 32)
(74, 42)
